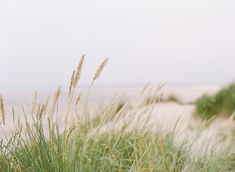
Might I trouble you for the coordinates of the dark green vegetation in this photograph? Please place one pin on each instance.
(223, 103)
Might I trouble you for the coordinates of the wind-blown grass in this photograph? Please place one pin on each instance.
(36, 147)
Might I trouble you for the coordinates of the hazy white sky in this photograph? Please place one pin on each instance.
(178, 41)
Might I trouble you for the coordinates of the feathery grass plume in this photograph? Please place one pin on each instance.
(2, 110)
(78, 71)
(71, 82)
(100, 69)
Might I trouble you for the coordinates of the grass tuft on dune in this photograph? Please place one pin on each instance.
(223, 103)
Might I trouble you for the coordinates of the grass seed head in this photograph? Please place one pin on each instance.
(100, 69)
(77, 74)
(2, 110)
(71, 83)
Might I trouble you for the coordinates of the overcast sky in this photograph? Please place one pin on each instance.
(177, 41)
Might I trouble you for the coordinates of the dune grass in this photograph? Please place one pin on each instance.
(223, 103)
(34, 146)
(108, 152)
(74, 150)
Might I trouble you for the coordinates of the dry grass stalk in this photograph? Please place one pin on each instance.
(100, 69)
(34, 103)
(78, 99)
(55, 100)
(38, 111)
(160, 86)
(71, 82)
(77, 74)
(45, 105)
(42, 109)
(2, 110)
(13, 114)
(96, 76)
(145, 88)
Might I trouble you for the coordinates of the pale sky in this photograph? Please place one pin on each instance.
(177, 41)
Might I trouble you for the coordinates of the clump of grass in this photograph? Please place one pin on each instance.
(172, 98)
(108, 152)
(223, 103)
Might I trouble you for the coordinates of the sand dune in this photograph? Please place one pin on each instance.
(205, 137)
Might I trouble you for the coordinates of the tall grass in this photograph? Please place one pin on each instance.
(34, 146)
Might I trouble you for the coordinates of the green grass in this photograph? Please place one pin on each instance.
(73, 150)
(76, 149)
(111, 152)
(223, 103)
